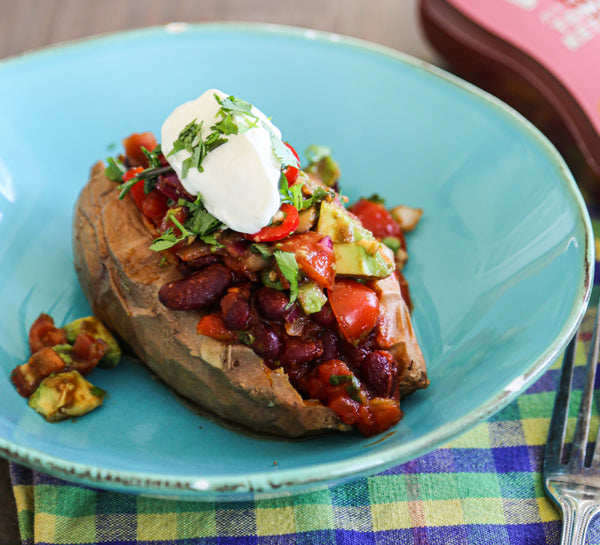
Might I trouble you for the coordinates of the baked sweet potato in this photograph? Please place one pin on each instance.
(121, 277)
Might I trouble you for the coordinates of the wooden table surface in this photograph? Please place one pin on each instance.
(31, 24)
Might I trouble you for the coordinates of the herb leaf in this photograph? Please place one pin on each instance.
(199, 223)
(167, 240)
(263, 249)
(115, 169)
(286, 261)
(293, 195)
(352, 385)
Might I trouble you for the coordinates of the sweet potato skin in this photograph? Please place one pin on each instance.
(120, 277)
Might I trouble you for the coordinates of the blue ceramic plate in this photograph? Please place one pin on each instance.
(500, 265)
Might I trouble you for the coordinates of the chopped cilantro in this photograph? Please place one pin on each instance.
(336, 380)
(167, 240)
(115, 169)
(286, 261)
(153, 156)
(262, 249)
(281, 151)
(125, 187)
(150, 177)
(352, 385)
(293, 194)
(199, 222)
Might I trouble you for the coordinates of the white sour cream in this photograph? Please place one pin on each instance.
(240, 181)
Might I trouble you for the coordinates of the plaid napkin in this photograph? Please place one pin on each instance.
(484, 487)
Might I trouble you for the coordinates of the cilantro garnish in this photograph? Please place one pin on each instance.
(235, 117)
(115, 169)
(240, 109)
(150, 177)
(199, 223)
(263, 249)
(190, 139)
(286, 261)
(352, 385)
(293, 194)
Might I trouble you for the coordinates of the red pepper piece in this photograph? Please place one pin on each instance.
(279, 230)
(291, 172)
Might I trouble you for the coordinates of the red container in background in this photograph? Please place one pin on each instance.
(542, 57)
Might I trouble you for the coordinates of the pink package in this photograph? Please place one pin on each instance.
(563, 35)
(540, 56)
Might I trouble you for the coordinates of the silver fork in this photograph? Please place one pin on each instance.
(574, 485)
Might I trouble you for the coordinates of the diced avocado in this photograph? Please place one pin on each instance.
(65, 395)
(365, 258)
(337, 223)
(311, 297)
(323, 165)
(94, 327)
(393, 243)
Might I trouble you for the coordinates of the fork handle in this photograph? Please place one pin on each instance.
(577, 515)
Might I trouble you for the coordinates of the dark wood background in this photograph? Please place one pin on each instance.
(32, 24)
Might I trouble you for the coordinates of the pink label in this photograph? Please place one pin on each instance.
(561, 35)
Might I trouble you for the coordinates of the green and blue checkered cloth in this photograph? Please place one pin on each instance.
(483, 488)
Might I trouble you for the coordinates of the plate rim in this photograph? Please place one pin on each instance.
(268, 483)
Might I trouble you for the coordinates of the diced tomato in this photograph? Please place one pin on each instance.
(381, 414)
(278, 231)
(314, 255)
(154, 205)
(137, 190)
(356, 308)
(27, 377)
(44, 333)
(87, 352)
(375, 217)
(212, 325)
(133, 145)
(319, 384)
(291, 173)
(346, 408)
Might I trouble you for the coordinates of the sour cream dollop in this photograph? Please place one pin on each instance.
(239, 184)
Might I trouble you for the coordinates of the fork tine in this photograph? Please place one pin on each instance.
(582, 428)
(558, 422)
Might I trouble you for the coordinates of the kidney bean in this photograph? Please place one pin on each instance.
(204, 261)
(197, 291)
(196, 250)
(353, 355)
(272, 303)
(266, 342)
(170, 185)
(331, 349)
(296, 350)
(325, 316)
(298, 373)
(380, 371)
(236, 310)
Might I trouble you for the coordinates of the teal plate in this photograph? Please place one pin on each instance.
(500, 266)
